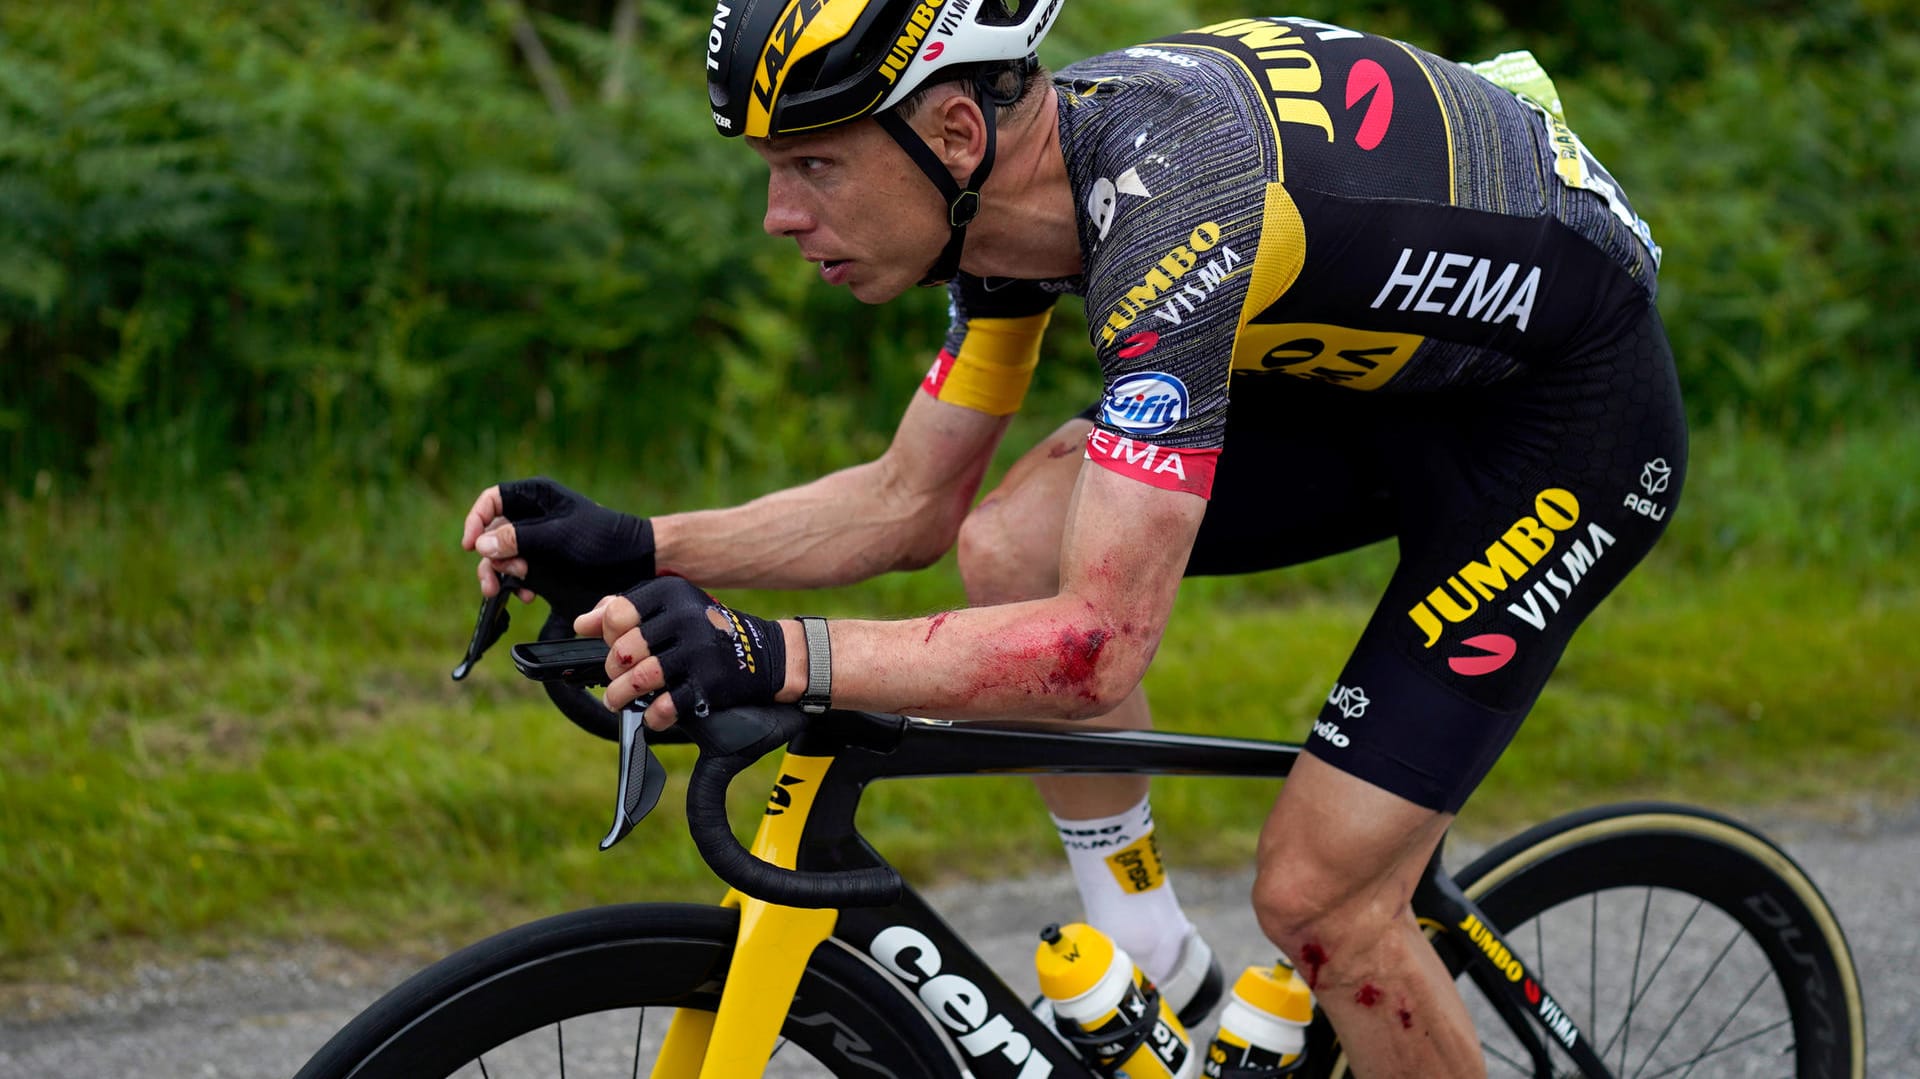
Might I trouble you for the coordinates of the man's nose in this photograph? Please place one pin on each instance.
(785, 215)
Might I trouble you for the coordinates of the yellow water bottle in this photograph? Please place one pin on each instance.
(1106, 1008)
(1264, 1026)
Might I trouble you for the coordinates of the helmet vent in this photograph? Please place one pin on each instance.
(999, 12)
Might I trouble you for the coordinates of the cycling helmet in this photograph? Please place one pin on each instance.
(785, 67)
(781, 67)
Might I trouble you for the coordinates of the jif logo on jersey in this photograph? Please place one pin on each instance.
(1145, 404)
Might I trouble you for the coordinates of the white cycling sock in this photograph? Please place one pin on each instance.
(1124, 886)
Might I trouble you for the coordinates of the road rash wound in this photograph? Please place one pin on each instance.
(1079, 655)
(1045, 660)
(1367, 995)
(1314, 957)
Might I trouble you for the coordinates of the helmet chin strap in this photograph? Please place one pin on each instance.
(962, 203)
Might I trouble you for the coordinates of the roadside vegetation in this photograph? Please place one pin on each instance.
(281, 291)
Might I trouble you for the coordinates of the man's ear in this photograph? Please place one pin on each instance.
(958, 133)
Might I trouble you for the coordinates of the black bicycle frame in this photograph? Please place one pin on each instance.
(992, 1028)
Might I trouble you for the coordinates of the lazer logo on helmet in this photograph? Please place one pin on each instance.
(909, 40)
(1046, 20)
(793, 22)
(1145, 404)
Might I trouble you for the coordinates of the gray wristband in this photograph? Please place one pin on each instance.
(818, 696)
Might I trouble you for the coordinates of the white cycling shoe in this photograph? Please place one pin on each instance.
(1196, 985)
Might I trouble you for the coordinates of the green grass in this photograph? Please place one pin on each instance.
(225, 716)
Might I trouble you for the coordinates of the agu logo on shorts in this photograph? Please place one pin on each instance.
(1145, 404)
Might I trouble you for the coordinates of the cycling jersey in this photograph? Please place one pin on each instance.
(1282, 198)
(1348, 290)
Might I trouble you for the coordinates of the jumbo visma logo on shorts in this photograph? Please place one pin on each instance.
(1556, 513)
(1145, 404)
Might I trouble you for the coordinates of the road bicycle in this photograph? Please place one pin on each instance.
(1637, 940)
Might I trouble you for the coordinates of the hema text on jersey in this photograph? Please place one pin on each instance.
(1428, 288)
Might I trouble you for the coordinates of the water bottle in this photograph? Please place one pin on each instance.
(1107, 1009)
(1264, 1026)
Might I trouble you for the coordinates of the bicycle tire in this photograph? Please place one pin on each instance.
(506, 990)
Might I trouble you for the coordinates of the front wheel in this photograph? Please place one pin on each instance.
(595, 989)
(1681, 942)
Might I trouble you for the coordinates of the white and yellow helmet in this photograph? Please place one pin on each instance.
(782, 67)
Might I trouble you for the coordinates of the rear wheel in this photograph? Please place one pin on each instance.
(594, 991)
(1681, 943)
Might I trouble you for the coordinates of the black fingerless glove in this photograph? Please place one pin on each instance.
(713, 657)
(576, 549)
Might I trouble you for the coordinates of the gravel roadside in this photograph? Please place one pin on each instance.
(259, 1017)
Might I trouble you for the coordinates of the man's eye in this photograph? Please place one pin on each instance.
(811, 164)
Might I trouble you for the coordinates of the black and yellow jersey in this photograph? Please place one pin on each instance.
(1270, 200)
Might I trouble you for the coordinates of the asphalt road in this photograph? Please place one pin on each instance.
(262, 1016)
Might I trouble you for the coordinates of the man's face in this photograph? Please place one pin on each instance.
(856, 205)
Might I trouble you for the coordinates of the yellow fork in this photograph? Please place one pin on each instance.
(769, 955)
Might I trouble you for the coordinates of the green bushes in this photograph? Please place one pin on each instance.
(323, 233)
(1784, 182)
(357, 238)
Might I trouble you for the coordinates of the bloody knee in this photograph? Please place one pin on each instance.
(1317, 924)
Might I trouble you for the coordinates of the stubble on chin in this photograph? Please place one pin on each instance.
(875, 293)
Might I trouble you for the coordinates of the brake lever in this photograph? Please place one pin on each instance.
(492, 623)
(642, 776)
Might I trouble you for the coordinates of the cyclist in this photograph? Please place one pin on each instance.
(1339, 289)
